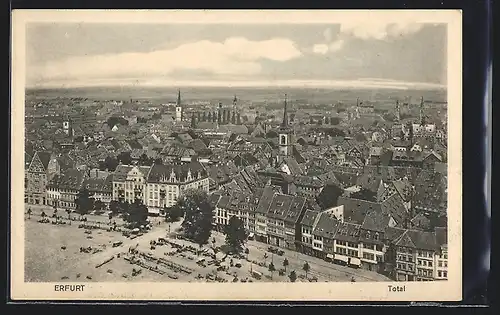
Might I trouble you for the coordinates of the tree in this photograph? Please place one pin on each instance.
(173, 213)
(292, 276)
(235, 234)
(329, 196)
(193, 121)
(334, 120)
(114, 206)
(29, 212)
(68, 211)
(204, 117)
(43, 215)
(311, 120)
(365, 194)
(209, 116)
(109, 164)
(272, 269)
(198, 216)
(238, 119)
(306, 268)
(144, 160)
(124, 158)
(83, 202)
(285, 263)
(327, 120)
(137, 214)
(233, 118)
(99, 205)
(214, 117)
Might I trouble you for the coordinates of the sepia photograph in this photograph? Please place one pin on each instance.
(236, 155)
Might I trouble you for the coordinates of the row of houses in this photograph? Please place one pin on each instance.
(369, 235)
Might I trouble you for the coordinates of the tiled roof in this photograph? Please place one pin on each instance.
(161, 173)
(265, 200)
(326, 226)
(44, 158)
(375, 221)
(309, 217)
(71, 180)
(348, 232)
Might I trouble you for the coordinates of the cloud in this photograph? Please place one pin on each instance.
(235, 55)
(320, 49)
(336, 45)
(160, 82)
(379, 30)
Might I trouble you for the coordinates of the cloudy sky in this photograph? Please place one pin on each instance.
(369, 54)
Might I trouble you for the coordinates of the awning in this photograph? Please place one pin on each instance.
(355, 261)
(330, 256)
(341, 258)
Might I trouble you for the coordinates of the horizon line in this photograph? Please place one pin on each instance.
(343, 84)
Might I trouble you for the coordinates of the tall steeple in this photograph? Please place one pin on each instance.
(422, 118)
(178, 97)
(285, 134)
(357, 108)
(284, 124)
(178, 108)
(398, 111)
(235, 100)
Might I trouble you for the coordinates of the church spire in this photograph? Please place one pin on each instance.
(422, 111)
(179, 97)
(398, 111)
(285, 115)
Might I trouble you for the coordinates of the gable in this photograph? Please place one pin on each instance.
(36, 165)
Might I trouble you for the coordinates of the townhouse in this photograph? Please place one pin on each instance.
(100, 188)
(165, 183)
(42, 168)
(62, 190)
(129, 183)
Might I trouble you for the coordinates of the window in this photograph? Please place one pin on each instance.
(419, 262)
(439, 274)
(410, 267)
(430, 264)
(445, 264)
(440, 263)
(445, 274)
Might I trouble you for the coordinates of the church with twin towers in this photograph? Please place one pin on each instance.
(221, 115)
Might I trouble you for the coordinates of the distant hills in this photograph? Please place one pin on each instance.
(244, 94)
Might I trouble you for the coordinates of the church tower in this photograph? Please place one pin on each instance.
(398, 111)
(235, 102)
(357, 109)
(68, 126)
(285, 134)
(178, 108)
(422, 117)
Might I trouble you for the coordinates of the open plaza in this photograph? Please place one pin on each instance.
(102, 250)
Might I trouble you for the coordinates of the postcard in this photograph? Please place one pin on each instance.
(236, 155)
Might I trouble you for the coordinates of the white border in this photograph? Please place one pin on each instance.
(450, 290)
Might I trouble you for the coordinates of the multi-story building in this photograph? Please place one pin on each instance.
(129, 183)
(62, 190)
(261, 214)
(309, 220)
(347, 245)
(165, 183)
(42, 168)
(414, 255)
(100, 188)
(283, 215)
(441, 255)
